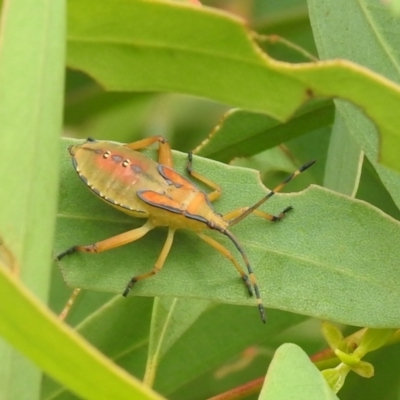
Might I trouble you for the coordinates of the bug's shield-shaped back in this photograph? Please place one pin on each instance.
(183, 197)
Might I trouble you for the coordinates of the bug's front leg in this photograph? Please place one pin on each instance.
(216, 193)
(66, 252)
(164, 149)
(232, 216)
(237, 215)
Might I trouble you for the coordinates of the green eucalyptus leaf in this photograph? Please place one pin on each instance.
(243, 133)
(32, 65)
(171, 318)
(371, 33)
(325, 256)
(291, 375)
(33, 330)
(165, 50)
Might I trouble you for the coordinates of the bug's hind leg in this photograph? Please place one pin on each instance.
(216, 193)
(110, 243)
(157, 266)
(226, 253)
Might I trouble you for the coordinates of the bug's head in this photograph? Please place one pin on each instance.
(74, 148)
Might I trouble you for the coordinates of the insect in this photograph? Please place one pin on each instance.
(143, 188)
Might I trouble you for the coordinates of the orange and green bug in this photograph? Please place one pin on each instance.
(143, 188)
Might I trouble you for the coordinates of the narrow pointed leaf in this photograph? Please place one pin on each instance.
(32, 329)
(32, 63)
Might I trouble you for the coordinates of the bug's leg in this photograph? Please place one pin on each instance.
(216, 193)
(248, 210)
(226, 253)
(230, 216)
(164, 149)
(252, 277)
(110, 243)
(7, 259)
(69, 304)
(157, 266)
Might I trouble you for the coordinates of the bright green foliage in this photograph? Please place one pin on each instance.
(31, 88)
(174, 44)
(192, 331)
(350, 359)
(71, 352)
(287, 374)
(293, 264)
(244, 134)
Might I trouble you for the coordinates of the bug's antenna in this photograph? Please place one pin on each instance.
(250, 271)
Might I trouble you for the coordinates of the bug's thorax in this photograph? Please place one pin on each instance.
(192, 211)
(181, 204)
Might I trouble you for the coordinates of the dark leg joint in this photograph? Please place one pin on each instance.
(190, 161)
(248, 285)
(129, 287)
(281, 215)
(66, 252)
(261, 309)
(307, 165)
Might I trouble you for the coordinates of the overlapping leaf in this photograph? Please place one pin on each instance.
(225, 65)
(325, 259)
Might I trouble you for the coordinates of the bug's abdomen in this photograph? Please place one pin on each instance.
(115, 173)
